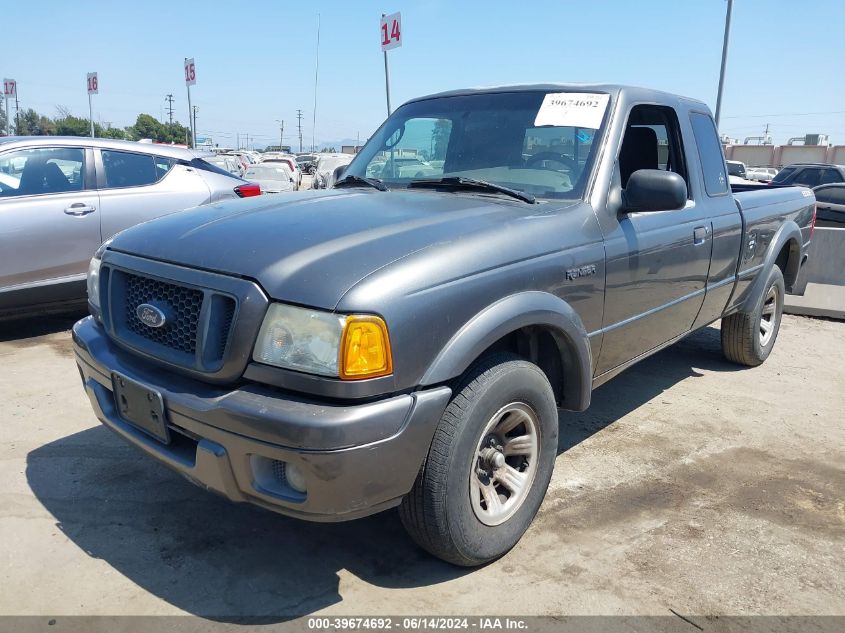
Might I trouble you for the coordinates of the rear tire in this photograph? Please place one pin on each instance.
(488, 466)
(749, 337)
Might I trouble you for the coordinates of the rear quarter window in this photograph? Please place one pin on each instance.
(128, 169)
(710, 154)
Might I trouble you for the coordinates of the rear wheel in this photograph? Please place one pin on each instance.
(489, 464)
(748, 338)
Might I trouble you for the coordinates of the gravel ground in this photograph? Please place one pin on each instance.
(690, 485)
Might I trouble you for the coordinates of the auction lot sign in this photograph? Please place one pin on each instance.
(391, 31)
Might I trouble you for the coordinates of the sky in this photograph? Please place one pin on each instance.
(255, 60)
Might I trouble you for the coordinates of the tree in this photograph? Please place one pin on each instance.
(146, 126)
(2, 121)
(73, 126)
(30, 123)
(111, 132)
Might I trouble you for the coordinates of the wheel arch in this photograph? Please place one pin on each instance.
(526, 323)
(785, 252)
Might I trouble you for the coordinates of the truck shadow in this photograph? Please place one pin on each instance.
(235, 563)
(18, 330)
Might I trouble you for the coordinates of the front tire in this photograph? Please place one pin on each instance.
(488, 466)
(748, 338)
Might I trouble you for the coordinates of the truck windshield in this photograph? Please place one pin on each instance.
(501, 138)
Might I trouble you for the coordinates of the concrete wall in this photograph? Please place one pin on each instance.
(827, 257)
(780, 155)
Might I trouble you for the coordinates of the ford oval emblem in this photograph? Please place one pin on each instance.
(150, 315)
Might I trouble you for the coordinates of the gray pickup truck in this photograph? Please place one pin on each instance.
(407, 339)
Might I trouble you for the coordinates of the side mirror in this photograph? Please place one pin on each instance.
(338, 172)
(654, 190)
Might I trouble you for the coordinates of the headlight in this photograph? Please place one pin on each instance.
(351, 347)
(94, 275)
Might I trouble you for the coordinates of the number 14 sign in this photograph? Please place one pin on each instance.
(391, 31)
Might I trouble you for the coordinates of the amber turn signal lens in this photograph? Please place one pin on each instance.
(365, 348)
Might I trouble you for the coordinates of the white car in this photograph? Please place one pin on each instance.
(761, 174)
(326, 164)
(271, 177)
(290, 161)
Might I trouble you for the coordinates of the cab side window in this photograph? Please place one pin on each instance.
(30, 172)
(830, 175)
(710, 154)
(809, 177)
(128, 169)
(652, 141)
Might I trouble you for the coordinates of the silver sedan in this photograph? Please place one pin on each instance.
(61, 197)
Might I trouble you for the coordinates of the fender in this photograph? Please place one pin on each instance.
(788, 231)
(532, 308)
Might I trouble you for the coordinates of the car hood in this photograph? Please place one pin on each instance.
(311, 247)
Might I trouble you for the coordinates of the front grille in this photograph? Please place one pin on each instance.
(197, 326)
(180, 305)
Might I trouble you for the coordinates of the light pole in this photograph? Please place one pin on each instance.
(281, 132)
(724, 61)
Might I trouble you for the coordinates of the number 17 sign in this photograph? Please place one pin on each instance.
(391, 31)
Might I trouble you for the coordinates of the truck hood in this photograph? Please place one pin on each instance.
(311, 247)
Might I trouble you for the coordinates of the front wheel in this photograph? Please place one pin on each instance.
(488, 466)
(748, 338)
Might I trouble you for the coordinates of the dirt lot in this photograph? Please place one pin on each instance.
(691, 485)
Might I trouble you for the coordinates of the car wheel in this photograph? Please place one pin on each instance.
(749, 337)
(488, 466)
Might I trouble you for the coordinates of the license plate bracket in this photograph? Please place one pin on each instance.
(141, 407)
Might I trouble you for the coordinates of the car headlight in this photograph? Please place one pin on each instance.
(351, 347)
(93, 280)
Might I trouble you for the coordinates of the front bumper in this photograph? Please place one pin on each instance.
(356, 459)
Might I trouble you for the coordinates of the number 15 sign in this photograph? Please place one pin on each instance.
(391, 31)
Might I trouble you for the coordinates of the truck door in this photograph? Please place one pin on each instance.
(657, 262)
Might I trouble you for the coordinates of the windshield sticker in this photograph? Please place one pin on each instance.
(574, 109)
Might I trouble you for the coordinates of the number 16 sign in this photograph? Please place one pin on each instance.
(391, 31)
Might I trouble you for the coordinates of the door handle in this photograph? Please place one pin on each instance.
(79, 208)
(699, 235)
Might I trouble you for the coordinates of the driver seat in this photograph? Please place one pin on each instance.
(639, 151)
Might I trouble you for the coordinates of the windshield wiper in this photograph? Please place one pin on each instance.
(361, 180)
(458, 182)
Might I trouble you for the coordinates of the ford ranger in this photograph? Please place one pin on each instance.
(407, 337)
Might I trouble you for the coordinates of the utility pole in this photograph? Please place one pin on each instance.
(299, 123)
(17, 115)
(316, 75)
(281, 132)
(169, 99)
(195, 109)
(724, 61)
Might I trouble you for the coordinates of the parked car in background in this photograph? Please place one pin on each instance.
(272, 177)
(830, 205)
(243, 160)
(326, 165)
(290, 161)
(230, 164)
(60, 197)
(761, 174)
(810, 174)
(307, 163)
(407, 167)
